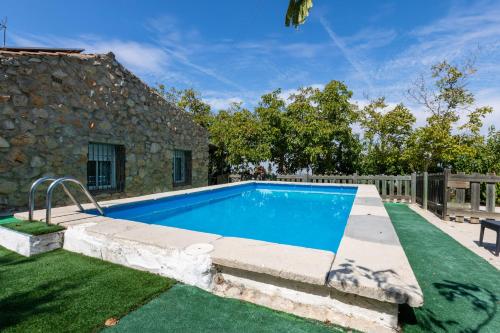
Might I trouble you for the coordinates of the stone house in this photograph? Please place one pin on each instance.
(65, 113)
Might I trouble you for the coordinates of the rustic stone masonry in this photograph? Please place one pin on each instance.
(53, 104)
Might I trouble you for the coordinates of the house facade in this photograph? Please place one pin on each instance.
(65, 113)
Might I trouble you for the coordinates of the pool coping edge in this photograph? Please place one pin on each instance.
(345, 270)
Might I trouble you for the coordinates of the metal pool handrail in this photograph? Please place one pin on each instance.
(61, 181)
(31, 197)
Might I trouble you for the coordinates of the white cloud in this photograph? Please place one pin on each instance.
(226, 70)
(490, 97)
(465, 32)
(268, 47)
(158, 60)
(460, 34)
(142, 58)
(371, 38)
(221, 103)
(348, 54)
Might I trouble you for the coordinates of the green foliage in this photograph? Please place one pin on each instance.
(297, 12)
(190, 101)
(272, 113)
(313, 130)
(479, 154)
(435, 146)
(386, 135)
(431, 147)
(452, 93)
(240, 137)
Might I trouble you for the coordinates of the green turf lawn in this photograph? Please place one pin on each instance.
(7, 219)
(32, 228)
(62, 291)
(189, 309)
(461, 290)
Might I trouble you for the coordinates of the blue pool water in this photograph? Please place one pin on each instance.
(301, 215)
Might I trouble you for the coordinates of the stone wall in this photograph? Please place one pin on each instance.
(53, 104)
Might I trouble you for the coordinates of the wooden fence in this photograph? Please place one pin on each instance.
(466, 194)
(392, 188)
(458, 195)
(431, 192)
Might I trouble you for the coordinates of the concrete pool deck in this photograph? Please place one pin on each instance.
(466, 234)
(360, 286)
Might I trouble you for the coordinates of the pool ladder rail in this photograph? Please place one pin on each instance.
(50, 190)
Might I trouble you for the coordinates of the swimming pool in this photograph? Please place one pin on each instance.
(301, 215)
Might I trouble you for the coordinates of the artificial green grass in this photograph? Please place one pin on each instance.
(62, 291)
(189, 309)
(7, 219)
(32, 228)
(461, 290)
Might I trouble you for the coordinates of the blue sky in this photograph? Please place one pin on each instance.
(238, 50)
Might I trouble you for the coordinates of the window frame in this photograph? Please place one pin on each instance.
(185, 158)
(114, 154)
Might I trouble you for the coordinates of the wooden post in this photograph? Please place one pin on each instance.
(391, 189)
(426, 187)
(475, 199)
(407, 190)
(490, 196)
(399, 188)
(475, 195)
(414, 187)
(355, 178)
(461, 194)
(446, 176)
(384, 188)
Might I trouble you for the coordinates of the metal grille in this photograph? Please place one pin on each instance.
(179, 166)
(101, 167)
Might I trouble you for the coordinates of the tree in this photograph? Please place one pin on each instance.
(190, 101)
(344, 147)
(320, 136)
(431, 147)
(435, 146)
(385, 137)
(492, 151)
(297, 12)
(239, 137)
(272, 112)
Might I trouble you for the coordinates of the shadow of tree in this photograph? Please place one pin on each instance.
(427, 321)
(348, 275)
(480, 300)
(432, 316)
(40, 298)
(473, 297)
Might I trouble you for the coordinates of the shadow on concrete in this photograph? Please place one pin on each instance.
(349, 275)
(490, 247)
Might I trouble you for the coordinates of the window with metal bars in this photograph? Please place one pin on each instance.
(182, 167)
(105, 167)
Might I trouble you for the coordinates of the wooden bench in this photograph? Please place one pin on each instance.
(493, 225)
